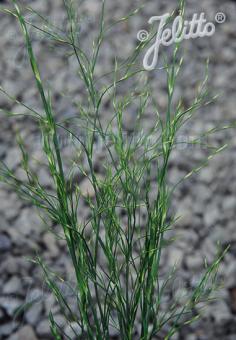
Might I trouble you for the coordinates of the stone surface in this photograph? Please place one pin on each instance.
(10, 304)
(73, 329)
(25, 333)
(50, 242)
(8, 201)
(5, 243)
(7, 328)
(87, 188)
(175, 257)
(34, 313)
(29, 222)
(13, 286)
(194, 262)
(13, 158)
(43, 328)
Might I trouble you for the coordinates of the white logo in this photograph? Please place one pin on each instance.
(181, 29)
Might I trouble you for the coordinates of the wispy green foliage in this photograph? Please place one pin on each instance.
(112, 294)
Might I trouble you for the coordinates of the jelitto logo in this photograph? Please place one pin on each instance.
(181, 29)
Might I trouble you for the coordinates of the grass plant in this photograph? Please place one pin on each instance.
(124, 290)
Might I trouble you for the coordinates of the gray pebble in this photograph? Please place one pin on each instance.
(25, 333)
(43, 328)
(13, 286)
(5, 243)
(33, 314)
(72, 329)
(10, 304)
(8, 328)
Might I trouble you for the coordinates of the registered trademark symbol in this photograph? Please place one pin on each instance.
(220, 17)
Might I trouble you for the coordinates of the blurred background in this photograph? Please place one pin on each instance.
(206, 201)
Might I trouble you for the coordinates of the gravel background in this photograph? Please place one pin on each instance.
(206, 202)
